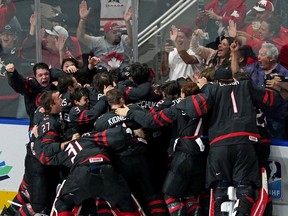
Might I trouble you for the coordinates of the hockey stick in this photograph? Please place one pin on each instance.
(142, 213)
(58, 193)
(14, 203)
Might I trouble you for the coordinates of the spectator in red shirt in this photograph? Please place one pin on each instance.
(264, 9)
(215, 18)
(6, 13)
(270, 29)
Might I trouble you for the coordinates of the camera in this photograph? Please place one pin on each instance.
(283, 78)
(271, 76)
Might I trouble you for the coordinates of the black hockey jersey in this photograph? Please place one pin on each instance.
(184, 128)
(94, 96)
(30, 89)
(231, 106)
(86, 149)
(82, 119)
(111, 119)
(143, 95)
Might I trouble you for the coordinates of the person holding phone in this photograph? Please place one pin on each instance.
(179, 60)
(214, 17)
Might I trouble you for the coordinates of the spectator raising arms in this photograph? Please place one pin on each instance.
(214, 19)
(211, 57)
(180, 61)
(60, 19)
(270, 31)
(56, 45)
(113, 49)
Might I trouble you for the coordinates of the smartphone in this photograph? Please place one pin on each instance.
(205, 36)
(169, 41)
(201, 5)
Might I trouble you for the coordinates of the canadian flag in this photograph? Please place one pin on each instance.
(113, 59)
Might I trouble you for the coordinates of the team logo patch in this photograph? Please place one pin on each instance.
(95, 160)
(252, 138)
(235, 14)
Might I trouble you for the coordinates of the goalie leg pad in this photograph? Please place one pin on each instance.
(220, 196)
(245, 194)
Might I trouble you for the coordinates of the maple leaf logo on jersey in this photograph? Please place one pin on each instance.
(113, 59)
(235, 14)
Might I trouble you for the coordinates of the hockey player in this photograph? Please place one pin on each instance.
(81, 117)
(42, 179)
(131, 162)
(66, 86)
(159, 159)
(232, 132)
(263, 151)
(138, 88)
(91, 174)
(186, 177)
(31, 88)
(96, 91)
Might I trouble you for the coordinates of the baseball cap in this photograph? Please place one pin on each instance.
(187, 30)
(9, 29)
(111, 26)
(58, 30)
(264, 5)
(223, 73)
